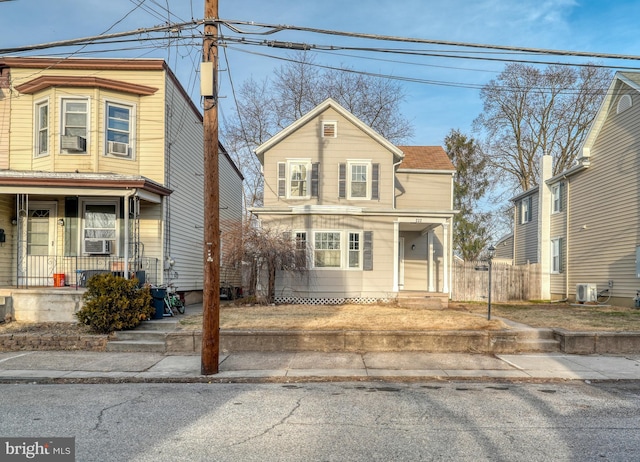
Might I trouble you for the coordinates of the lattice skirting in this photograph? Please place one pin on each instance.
(329, 301)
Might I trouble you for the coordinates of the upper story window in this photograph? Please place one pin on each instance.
(119, 130)
(74, 125)
(298, 179)
(42, 128)
(556, 197)
(359, 180)
(525, 210)
(329, 129)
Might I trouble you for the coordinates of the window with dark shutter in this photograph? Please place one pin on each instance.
(367, 251)
(342, 180)
(315, 167)
(375, 175)
(282, 179)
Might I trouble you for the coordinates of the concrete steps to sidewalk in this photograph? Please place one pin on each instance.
(149, 336)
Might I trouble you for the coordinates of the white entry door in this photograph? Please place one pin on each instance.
(40, 244)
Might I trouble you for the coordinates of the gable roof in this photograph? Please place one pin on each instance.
(631, 79)
(320, 108)
(425, 158)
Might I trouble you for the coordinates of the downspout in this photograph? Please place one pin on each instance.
(125, 267)
(393, 184)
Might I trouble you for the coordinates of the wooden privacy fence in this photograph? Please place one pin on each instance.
(508, 282)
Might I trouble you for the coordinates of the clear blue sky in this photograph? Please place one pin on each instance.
(450, 100)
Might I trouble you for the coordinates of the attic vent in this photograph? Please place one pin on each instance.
(624, 103)
(329, 129)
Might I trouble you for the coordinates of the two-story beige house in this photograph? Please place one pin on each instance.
(101, 165)
(373, 218)
(584, 227)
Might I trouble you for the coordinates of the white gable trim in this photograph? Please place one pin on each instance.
(603, 112)
(328, 103)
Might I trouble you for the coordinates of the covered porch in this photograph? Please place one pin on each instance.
(60, 229)
(423, 258)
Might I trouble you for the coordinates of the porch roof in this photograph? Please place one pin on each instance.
(30, 182)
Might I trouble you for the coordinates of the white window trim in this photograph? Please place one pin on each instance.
(96, 201)
(307, 163)
(334, 123)
(36, 124)
(86, 99)
(344, 249)
(368, 164)
(525, 217)
(556, 252)
(132, 128)
(556, 198)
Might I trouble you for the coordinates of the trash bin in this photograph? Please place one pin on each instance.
(158, 301)
(58, 280)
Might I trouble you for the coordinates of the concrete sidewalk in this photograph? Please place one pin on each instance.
(311, 366)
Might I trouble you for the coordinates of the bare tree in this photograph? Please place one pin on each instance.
(264, 248)
(265, 108)
(530, 112)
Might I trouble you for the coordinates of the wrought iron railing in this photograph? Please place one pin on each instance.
(56, 271)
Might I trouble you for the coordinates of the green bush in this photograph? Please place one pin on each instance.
(114, 303)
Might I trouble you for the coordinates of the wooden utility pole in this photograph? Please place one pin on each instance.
(211, 289)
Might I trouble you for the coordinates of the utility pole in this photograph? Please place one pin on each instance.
(211, 290)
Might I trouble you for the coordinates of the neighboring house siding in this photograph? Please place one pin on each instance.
(185, 206)
(526, 234)
(230, 216)
(350, 143)
(424, 191)
(604, 230)
(147, 135)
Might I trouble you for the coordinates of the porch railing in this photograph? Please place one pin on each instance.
(56, 271)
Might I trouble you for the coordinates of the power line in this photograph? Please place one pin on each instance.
(272, 29)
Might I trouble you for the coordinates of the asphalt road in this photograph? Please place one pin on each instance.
(343, 421)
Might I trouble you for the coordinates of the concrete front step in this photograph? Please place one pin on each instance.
(137, 346)
(425, 300)
(164, 325)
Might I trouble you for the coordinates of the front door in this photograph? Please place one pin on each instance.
(39, 238)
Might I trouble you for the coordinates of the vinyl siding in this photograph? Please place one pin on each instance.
(230, 215)
(424, 191)
(416, 264)
(185, 206)
(604, 228)
(526, 235)
(307, 143)
(148, 134)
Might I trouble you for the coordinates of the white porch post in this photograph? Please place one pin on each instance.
(431, 275)
(396, 262)
(445, 256)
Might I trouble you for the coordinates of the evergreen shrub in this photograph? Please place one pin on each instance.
(114, 303)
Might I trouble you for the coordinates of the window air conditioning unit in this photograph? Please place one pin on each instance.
(117, 149)
(97, 247)
(586, 293)
(73, 143)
